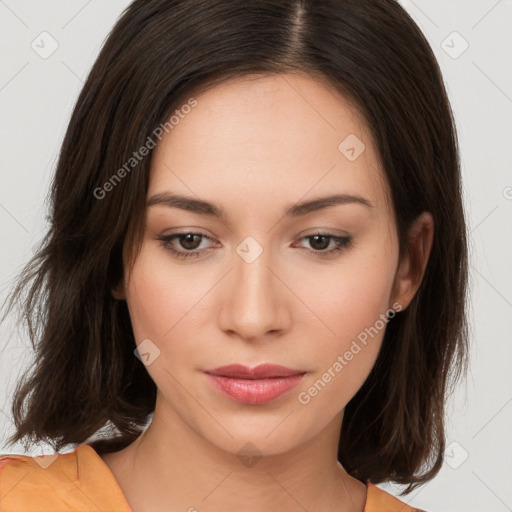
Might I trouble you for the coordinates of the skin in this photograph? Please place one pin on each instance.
(255, 147)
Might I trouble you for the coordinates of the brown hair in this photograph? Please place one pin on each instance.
(86, 376)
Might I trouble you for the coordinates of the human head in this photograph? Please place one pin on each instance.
(155, 58)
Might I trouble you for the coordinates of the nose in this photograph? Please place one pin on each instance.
(255, 301)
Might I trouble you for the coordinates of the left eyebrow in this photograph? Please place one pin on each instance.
(296, 210)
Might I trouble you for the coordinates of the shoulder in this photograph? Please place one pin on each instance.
(378, 500)
(65, 482)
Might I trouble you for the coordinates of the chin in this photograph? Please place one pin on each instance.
(257, 437)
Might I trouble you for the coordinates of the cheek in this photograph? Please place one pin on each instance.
(162, 303)
(158, 299)
(351, 296)
(352, 305)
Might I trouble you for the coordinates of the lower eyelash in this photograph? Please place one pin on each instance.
(342, 243)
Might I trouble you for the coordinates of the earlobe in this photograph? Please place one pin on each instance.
(118, 292)
(412, 268)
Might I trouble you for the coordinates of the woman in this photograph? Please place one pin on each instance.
(256, 267)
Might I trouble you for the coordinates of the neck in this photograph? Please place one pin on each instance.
(172, 467)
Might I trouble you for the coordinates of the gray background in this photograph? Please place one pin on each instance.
(37, 92)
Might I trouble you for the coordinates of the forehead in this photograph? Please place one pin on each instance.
(268, 137)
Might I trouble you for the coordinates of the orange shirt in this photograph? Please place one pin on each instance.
(81, 481)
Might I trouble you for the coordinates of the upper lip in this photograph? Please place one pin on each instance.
(261, 371)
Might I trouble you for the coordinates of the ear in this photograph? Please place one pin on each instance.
(412, 267)
(118, 292)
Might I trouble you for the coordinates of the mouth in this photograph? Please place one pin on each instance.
(253, 386)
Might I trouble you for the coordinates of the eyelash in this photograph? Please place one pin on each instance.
(342, 243)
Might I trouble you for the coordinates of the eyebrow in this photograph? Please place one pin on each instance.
(296, 210)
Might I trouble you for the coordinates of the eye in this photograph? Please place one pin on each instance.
(188, 241)
(190, 244)
(320, 241)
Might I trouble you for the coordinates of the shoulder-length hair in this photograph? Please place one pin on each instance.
(157, 56)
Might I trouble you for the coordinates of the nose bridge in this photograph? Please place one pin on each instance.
(253, 305)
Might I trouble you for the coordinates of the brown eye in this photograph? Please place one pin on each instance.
(187, 245)
(187, 241)
(319, 242)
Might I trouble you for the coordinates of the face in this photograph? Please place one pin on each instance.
(265, 281)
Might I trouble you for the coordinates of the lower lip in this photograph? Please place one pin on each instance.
(254, 391)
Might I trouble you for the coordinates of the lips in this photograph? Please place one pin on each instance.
(254, 386)
(263, 371)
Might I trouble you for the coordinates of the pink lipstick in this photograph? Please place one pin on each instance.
(254, 386)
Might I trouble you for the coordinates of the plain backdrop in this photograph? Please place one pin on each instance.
(47, 48)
